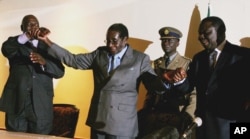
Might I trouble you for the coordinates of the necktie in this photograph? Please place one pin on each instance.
(112, 64)
(34, 49)
(212, 60)
(167, 61)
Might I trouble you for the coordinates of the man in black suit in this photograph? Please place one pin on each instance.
(27, 97)
(222, 94)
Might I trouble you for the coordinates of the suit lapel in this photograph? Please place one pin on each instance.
(126, 59)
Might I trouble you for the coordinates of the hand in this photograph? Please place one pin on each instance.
(40, 34)
(180, 74)
(168, 75)
(37, 58)
(43, 32)
(37, 32)
(173, 76)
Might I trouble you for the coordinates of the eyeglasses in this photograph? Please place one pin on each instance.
(114, 42)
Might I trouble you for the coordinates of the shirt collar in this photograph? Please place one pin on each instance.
(220, 47)
(171, 57)
(22, 39)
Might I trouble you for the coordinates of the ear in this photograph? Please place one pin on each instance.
(178, 43)
(125, 38)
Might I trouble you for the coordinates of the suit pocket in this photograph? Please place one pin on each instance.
(126, 107)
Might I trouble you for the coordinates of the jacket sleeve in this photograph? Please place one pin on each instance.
(150, 79)
(76, 61)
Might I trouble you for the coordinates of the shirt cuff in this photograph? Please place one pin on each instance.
(180, 82)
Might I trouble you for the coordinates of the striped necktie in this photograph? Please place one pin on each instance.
(212, 60)
(112, 64)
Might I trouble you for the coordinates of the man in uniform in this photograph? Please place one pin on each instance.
(171, 108)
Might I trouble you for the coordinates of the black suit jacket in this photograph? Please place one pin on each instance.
(225, 91)
(26, 77)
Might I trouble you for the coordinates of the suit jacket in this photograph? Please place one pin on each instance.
(26, 77)
(113, 105)
(224, 92)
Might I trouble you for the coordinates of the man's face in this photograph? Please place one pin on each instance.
(169, 45)
(208, 36)
(114, 43)
(30, 23)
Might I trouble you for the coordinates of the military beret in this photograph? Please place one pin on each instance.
(169, 32)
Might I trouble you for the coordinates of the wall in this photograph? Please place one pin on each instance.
(80, 26)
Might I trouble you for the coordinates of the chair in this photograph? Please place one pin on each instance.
(65, 120)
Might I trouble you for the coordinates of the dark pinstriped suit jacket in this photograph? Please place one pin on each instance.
(26, 77)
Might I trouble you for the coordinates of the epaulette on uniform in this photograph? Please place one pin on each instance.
(157, 62)
(187, 58)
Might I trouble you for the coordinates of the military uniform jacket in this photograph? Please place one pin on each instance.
(170, 100)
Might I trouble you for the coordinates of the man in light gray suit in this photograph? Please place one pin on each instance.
(113, 112)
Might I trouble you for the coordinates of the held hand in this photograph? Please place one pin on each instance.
(41, 34)
(173, 76)
(168, 75)
(179, 75)
(37, 32)
(37, 58)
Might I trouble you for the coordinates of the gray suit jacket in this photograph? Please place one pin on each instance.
(113, 106)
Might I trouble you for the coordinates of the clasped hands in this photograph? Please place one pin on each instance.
(37, 33)
(173, 76)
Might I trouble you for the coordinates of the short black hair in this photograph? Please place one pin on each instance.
(219, 24)
(121, 28)
(26, 19)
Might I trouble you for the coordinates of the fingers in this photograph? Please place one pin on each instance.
(32, 34)
(168, 76)
(37, 58)
(173, 76)
(43, 31)
(38, 33)
(181, 73)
